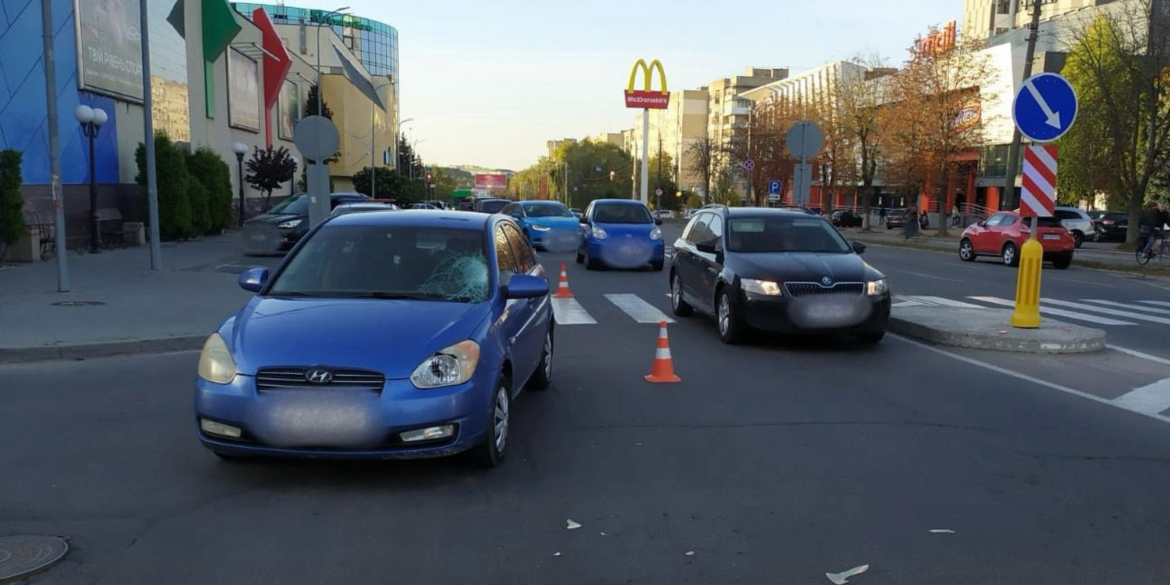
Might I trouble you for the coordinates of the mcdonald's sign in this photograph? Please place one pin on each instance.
(646, 97)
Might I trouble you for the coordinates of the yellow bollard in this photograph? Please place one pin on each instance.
(1027, 313)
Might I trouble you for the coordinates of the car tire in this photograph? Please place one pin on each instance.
(680, 307)
(580, 258)
(657, 266)
(1078, 238)
(494, 448)
(871, 337)
(591, 264)
(542, 377)
(1010, 255)
(966, 251)
(727, 318)
(1062, 262)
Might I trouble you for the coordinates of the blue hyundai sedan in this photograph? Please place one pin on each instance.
(382, 335)
(549, 225)
(620, 233)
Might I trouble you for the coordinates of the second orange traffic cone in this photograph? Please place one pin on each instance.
(563, 287)
(663, 371)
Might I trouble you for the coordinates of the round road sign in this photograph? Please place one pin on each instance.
(805, 140)
(316, 137)
(749, 164)
(658, 191)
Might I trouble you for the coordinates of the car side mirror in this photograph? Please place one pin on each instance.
(525, 286)
(707, 247)
(584, 219)
(982, 223)
(859, 247)
(253, 279)
(658, 221)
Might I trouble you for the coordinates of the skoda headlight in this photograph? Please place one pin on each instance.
(656, 233)
(878, 287)
(599, 233)
(447, 367)
(215, 363)
(539, 228)
(290, 224)
(761, 287)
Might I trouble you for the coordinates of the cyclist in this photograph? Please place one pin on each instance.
(1154, 219)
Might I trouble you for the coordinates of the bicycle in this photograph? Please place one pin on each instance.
(1159, 250)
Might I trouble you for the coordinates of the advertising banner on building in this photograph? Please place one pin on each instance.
(491, 182)
(243, 91)
(109, 47)
(290, 109)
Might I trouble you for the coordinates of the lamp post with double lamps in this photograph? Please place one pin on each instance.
(240, 149)
(91, 121)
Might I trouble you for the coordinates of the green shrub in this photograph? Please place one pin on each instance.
(206, 167)
(174, 205)
(200, 212)
(11, 202)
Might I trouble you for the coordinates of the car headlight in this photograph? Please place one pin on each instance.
(215, 363)
(878, 287)
(290, 224)
(761, 287)
(599, 233)
(447, 367)
(539, 228)
(656, 233)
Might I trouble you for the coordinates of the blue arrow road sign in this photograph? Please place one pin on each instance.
(773, 187)
(1045, 108)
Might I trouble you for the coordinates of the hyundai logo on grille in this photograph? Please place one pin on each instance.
(826, 281)
(319, 376)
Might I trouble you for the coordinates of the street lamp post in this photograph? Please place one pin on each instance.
(397, 138)
(240, 148)
(91, 121)
(324, 21)
(374, 145)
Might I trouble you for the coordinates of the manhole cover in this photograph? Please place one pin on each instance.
(79, 304)
(25, 555)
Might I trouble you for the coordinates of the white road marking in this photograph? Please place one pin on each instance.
(945, 302)
(570, 312)
(1157, 303)
(1151, 399)
(1057, 312)
(1027, 378)
(1083, 282)
(638, 309)
(930, 276)
(1138, 354)
(1128, 306)
(1104, 311)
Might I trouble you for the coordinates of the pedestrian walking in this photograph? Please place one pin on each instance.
(955, 217)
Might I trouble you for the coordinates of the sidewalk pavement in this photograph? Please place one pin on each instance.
(117, 305)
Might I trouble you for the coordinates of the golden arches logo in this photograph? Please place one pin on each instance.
(647, 97)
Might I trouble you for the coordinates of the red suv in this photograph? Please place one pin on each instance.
(1005, 232)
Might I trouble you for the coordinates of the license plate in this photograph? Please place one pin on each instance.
(1051, 236)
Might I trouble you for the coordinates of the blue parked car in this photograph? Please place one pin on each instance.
(549, 225)
(382, 335)
(620, 233)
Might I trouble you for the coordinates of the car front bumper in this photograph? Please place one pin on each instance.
(627, 251)
(554, 239)
(817, 313)
(343, 423)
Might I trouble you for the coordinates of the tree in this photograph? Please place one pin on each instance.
(174, 203)
(858, 99)
(1118, 69)
(595, 170)
(929, 98)
(268, 169)
(445, 183)
(391, 185)
(661, 162)
(311, 104)
(702, 157)
(206, 167)
(11, 203)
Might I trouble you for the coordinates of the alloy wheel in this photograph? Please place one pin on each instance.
(500, 419)
(724, 314)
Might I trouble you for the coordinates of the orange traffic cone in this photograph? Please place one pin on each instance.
(663, 371)
(563, 287)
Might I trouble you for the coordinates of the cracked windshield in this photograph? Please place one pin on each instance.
(303, 293)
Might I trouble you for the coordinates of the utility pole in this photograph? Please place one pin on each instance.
(1008, 200)
(566, 163)
(634, 172)
(54, 147)
(645, 154)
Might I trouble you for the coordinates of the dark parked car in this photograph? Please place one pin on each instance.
(845, 218)
(776, 270)
(1111, 225)
(285, 224)
(490, 205)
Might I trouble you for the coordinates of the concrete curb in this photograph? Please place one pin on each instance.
(990, 329)
(102, 349)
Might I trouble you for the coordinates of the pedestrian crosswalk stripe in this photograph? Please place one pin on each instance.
(1151, 399)
(943, 301)
(1158, 303)
(570, 312)
(638, 309)
(1104, 311)
(1056, 312)
(1129, 306)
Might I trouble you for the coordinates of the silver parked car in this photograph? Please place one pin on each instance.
(1078, 223)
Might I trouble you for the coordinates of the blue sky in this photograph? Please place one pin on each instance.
(488, 82)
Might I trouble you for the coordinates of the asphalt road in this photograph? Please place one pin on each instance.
(770, 463)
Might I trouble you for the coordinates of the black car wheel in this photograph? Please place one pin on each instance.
(1062, 262)
(871, 337)
(731, 326)
(580, 258)
(494, 448)
(966, 251)
(1078, 238)
(657, 266)
(1010, 255)
(542, 377)
(680, 307)
(591, 264)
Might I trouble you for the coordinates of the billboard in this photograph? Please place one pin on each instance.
(109, 47)
(243, 91)
(289, 110)
(491, 182)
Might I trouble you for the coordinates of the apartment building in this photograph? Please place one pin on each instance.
(983, 19)
(727, 114)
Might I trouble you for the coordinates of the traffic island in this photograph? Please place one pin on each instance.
(991, 329)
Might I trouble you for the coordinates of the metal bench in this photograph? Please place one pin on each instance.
(113, 229)
(41, 227)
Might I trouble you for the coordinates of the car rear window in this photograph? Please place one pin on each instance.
(621, 213)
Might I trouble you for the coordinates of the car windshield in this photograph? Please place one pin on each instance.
(621, 213)
(493, 206)
(390, 262)
(547, 210)
(295, 205)
(784, 234)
